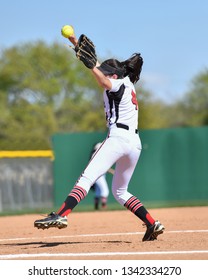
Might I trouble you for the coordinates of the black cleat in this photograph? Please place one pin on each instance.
(153, 231)
(52, 220)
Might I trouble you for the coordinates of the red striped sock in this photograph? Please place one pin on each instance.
(136, 207)
(133, 204)
(75, 196)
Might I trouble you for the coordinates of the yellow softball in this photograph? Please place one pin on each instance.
(67, 31)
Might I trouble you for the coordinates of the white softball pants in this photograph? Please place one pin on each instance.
(122, 148)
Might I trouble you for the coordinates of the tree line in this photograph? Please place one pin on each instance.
(45, 90)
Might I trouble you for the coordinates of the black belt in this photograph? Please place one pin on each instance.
(124, 126)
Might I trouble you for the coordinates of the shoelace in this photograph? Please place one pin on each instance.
(48, 215)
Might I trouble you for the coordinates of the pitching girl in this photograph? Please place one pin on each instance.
(121, 147)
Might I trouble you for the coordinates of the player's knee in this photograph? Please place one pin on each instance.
(118, 194)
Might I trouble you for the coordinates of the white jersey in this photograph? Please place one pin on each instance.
(120, 103)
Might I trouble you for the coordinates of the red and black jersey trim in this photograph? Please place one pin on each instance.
(133, 204)
(114, 98)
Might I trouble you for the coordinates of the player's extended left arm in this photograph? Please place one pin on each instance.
(101, 78)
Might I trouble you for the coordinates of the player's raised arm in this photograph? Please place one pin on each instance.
(85, 51)
(102, 79)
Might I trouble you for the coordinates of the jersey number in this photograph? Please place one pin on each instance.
(134, 99)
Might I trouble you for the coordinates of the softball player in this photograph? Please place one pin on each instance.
(121, 147)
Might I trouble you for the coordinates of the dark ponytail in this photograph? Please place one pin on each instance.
(133, 67)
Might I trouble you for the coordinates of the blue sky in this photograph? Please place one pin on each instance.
(170, 35)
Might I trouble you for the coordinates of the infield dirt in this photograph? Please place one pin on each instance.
(105, 232)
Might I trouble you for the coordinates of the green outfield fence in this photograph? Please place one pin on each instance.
(172, 170)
